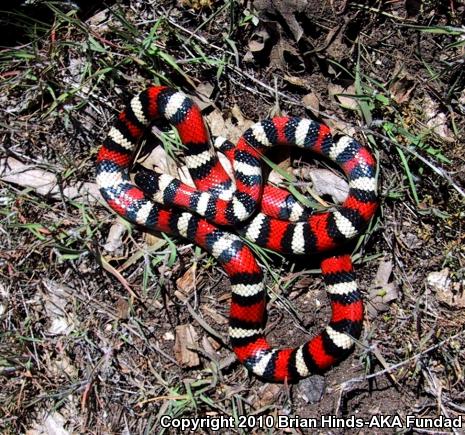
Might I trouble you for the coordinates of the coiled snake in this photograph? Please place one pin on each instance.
(162, 203)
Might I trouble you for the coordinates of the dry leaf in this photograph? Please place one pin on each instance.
(343, 96)
(187, 283)
(326, 182)
(186, 338)
(181, 296)
(122, 308)
(311, 102)
(382, 292)
(341, 126)
(217, 317)
(448, 292)
(279, 52)
(203, 92)
(45, 183)
(153, 241)
(297, 81)
(226, 128)
(258, 41)
(115, 236)
(248, 57)
(215, 344)
(439, 281)
(217, 124)
(242, 123)
(98, 22)
(56, 298)
(267, 395)
(437, 120)
(288, 9)
(59, 326)
(401, 89)
(159, 161)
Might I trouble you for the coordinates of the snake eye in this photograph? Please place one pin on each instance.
(147, 181)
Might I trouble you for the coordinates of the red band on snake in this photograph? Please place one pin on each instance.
(162, 203)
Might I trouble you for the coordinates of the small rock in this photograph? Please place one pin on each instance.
(312, 388)
(439, 281)
(168, 336)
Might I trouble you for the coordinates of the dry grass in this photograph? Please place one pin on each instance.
(87, 334)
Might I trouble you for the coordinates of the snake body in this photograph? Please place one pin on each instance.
(162, 203)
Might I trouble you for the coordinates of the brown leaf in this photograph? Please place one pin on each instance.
(311, 102)
(258, 40)
(186, 284)
(122, 308)
(160, 161)
(230, 128)
(343, 96)
(341, 126)
(267, 395)
(287, 9)
(217, 317)
(186, 338)
(215, 344)
(300, 82)
(202, 95)
(401, 89)
(115, 236)
(56, 297)
(279, 52)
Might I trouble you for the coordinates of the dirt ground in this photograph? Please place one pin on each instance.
(106, 328)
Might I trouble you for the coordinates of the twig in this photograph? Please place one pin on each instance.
(402, 363)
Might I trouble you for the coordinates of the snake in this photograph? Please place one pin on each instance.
(224, 214)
